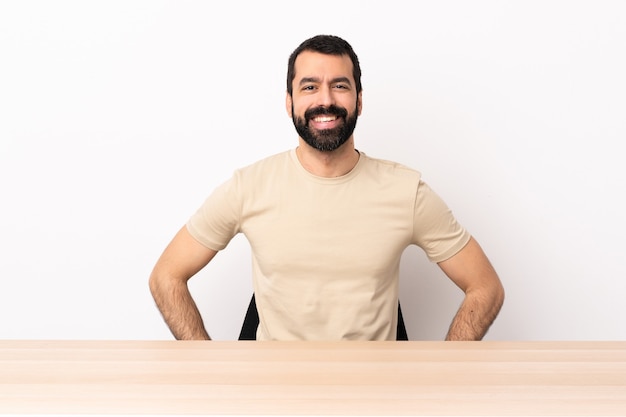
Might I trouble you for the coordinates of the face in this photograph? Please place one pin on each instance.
(324, 106)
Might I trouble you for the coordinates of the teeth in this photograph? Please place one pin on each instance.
(325, 118)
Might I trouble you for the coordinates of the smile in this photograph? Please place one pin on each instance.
(324, 119)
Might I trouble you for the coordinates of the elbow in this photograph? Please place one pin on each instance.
(498, 296)
(153, 284)
(156, 283)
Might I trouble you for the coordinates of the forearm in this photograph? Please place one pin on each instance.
(178, 309)
(475, 316)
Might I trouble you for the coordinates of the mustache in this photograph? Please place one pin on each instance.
(330, 110)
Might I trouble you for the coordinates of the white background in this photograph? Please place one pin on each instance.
(117, 118)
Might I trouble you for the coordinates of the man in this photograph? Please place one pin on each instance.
(327, 225)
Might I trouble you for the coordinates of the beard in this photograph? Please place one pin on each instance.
(326, 140)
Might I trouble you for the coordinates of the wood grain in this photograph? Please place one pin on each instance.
(312, 378)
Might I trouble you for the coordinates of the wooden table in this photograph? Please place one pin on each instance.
(312, 378)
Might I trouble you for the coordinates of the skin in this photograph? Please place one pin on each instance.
(472, 272)
(322, 80)
(181, 260)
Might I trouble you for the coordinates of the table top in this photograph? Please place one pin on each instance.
(41, 377)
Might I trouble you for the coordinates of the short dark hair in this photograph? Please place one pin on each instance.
(329, 45)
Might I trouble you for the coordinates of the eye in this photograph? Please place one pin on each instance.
(341, 86)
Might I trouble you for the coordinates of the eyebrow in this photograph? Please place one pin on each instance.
(317, 80)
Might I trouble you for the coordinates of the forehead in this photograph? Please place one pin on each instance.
(311, 64)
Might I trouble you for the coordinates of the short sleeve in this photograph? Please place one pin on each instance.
(435, 228)
(217, 220)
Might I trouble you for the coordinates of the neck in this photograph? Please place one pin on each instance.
(328, 164)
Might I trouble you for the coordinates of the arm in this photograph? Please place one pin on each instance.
(181, 260)
(471, 271)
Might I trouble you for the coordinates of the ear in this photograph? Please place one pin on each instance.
(289, 104)
(359, 103)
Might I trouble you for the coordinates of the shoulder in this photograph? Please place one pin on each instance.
(386, 168)
(265, 166)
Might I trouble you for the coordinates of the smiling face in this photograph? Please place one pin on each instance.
(324, 105)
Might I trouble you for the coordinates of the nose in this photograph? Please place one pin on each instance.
(324, 96)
